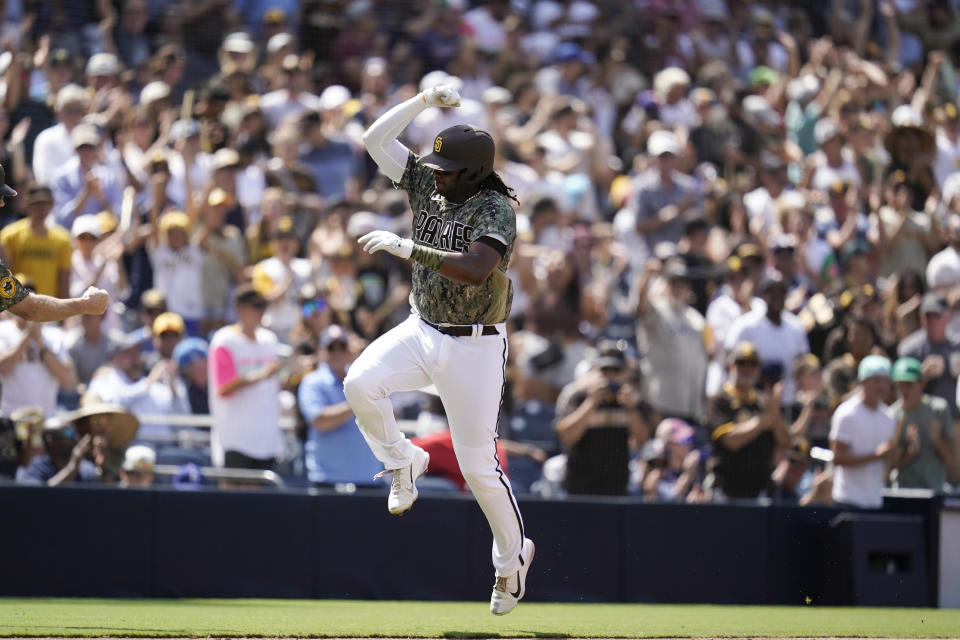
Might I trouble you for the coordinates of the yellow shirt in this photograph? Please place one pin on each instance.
(40, 257)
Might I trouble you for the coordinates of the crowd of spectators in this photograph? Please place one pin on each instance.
(738, 222)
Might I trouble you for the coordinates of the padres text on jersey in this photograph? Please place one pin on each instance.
(453, 227)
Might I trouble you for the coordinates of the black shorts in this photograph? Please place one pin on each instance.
(237, 460)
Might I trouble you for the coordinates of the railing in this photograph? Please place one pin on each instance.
(226, 474)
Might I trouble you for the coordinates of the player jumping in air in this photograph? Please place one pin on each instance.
(463, 235)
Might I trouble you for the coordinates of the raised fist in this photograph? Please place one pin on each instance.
(95, 301)
(442, 96)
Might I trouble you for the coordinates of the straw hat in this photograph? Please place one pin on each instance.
(121, 424)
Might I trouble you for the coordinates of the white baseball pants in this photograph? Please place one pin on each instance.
(468, 373)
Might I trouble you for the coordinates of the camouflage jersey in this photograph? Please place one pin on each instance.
(11, 291)
(452, 227)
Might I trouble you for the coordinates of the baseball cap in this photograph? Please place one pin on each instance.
(762, 75)
(103, 64)
(275, 16)
(825, 130)
(86, 224)
(906, 116)
(153, 299)
(84, 135)
(570, 52)
(139, 457)
(783, 242)
(5, 189)
(907, 370)
(757, 110)
(168, 321)
(610, 355)
(331, 335)
(745, 351)
(933, 302)
(855, 248)
(238, 42)
(218, 197)
(674, 430)
(676, 269)
(188, 350)
(285, 228)
(37, 193)
(872, 366)
(70, 93)
(174, 220)
(225, 158)
(748, 250)
(661, 142)
(334, 97)
(461, 147)
(278, 41)
(60, 56)
(156, 90)
(189, 477)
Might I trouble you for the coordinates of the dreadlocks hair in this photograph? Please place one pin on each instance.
(495, 182)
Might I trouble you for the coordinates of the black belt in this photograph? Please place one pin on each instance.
(463, 330)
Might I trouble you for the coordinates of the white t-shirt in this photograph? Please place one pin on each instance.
(247, 420)
(30, 382)
(179, 274)
(722, 312)
(82, 272)
(864, 429)
(51, 150)
(781, 343)
(199, 176)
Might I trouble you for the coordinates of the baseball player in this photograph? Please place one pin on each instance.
(39, 308)
(463, 235)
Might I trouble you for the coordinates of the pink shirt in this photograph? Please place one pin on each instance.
(247, 420)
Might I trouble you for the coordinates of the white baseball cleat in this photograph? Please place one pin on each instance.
(509, 590)
(403, 488)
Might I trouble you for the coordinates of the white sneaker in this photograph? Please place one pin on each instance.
(509, 590)
(403, 488)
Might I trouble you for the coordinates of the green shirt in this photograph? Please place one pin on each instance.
(448, 226)
(11, 291)
(927, 470)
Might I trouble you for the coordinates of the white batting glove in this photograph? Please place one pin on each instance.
(386, 241)
(442, 96)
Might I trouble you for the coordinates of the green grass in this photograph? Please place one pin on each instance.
(352, 618)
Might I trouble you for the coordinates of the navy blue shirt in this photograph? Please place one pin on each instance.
(41, 469)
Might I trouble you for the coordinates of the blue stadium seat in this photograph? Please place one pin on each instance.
(523, 472)
(533, 422)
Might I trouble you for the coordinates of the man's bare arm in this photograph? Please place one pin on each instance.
(41, 308)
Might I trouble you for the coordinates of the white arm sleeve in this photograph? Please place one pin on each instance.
(381, 138)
